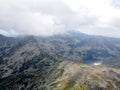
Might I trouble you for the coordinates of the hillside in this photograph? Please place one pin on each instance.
(33, 62)
(66, 75)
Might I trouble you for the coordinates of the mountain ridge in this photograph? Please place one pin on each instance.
(25, 57)
(66, 75)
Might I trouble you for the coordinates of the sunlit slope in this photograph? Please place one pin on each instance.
(75, 76)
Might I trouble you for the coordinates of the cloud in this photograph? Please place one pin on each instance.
(9, 33)
(28, 17)
(48, 17)
(116, 3)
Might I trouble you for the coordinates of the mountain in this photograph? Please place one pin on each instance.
(65, 75)
(24, 60)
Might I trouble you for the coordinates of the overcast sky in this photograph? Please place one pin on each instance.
(48, 17)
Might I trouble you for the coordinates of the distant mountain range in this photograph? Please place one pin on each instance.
(32, 56)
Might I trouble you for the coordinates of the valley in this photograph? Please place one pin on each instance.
(71, 61)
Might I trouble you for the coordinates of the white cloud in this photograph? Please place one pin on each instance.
(25, 19)
(48, 17)
(9, 33)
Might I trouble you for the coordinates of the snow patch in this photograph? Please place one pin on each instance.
(97, 63)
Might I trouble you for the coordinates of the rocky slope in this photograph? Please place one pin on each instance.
(32, 62)
(66, 75)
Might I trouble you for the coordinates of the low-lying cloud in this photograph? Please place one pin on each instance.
(48, 17)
